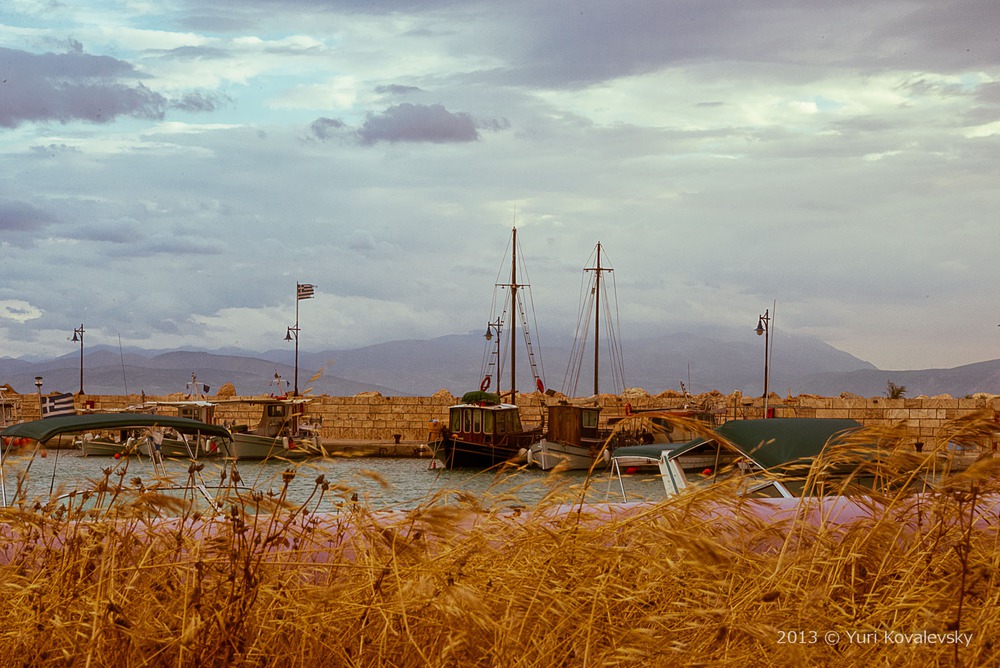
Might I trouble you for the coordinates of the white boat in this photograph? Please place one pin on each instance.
(766, 457)
(195, 406)
(123, 432)
(574, 439)
(280, 433)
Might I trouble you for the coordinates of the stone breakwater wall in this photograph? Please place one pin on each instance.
(373, 417)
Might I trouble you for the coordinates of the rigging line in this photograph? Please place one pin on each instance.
(580, 335)
(571, 375)
(617, 331)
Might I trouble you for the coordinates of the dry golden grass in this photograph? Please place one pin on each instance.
(701, 580)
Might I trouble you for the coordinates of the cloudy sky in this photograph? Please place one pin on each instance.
(170, 170)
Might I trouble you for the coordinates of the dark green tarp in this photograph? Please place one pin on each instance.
(776, 443)
(653, 450)
(47, 428)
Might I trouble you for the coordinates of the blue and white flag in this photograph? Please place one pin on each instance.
(58, 404)
(304, 291)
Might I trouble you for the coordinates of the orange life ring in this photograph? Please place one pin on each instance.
(485, 385)
(540, 385)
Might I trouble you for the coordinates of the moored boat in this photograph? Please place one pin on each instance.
(575, 439)
(482, 430)
(767, 458)
(138, 429)
(280, 432)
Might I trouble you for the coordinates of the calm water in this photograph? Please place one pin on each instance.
(381, 482)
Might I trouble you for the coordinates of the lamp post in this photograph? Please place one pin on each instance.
(38, 388)
(293, 334)
(764, 329)
(490, 328)
(78, 336)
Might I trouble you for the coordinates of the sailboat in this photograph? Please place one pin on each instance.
(483, 430)
(574, 439)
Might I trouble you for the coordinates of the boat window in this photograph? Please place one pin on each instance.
(477, 420)
(487, 422)
(276, 410)
(456, 421)
(590, 418)
(466, 420)
(501, 423)
(515, 420)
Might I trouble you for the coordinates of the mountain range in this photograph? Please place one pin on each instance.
(697, 362)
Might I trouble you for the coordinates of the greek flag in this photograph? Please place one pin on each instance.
(58, 404)
(304, 291)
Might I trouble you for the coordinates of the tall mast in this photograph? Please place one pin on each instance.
(513, 318)
(598, 269)
(597, 318)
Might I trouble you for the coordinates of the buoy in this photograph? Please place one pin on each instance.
(118, 455)
(707, 472)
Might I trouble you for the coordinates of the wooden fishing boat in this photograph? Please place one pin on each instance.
(482, 430)
(575, 438)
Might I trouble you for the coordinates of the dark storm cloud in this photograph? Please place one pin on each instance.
(199, 102)
(418, 123)
(396, 89)
(18, 216)
(68, 87)
(325, 128)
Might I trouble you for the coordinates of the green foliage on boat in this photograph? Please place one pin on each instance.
(480, 397)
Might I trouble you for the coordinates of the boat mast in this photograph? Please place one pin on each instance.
(597, 318)
(513, 318)
(598, 269)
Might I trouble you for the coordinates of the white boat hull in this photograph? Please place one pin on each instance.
(547, 455)
(256, 447)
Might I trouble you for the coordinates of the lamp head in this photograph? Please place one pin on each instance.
(760, 327)
(489, 333)
(288, 334)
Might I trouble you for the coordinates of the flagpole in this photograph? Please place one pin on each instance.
(302, 291)
(296, 391)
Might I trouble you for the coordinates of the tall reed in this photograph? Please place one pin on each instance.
(704, 578)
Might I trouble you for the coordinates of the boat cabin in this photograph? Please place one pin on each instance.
(198, 410)
(483, 423)
(574, 425)
(276, 419)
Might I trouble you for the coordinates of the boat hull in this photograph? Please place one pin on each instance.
(453, 453)
(548, 454)
(256, 447)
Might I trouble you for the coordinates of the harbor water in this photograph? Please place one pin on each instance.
(378, 482)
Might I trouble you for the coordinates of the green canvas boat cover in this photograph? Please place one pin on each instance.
(47, 428)
(653, 450)
(776, 443)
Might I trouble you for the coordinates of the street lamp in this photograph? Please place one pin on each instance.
(490, 328)
(38, 387)
(763, 329)
(78, 336)
(293, 335)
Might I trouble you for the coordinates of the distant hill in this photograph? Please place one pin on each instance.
(701, 361)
